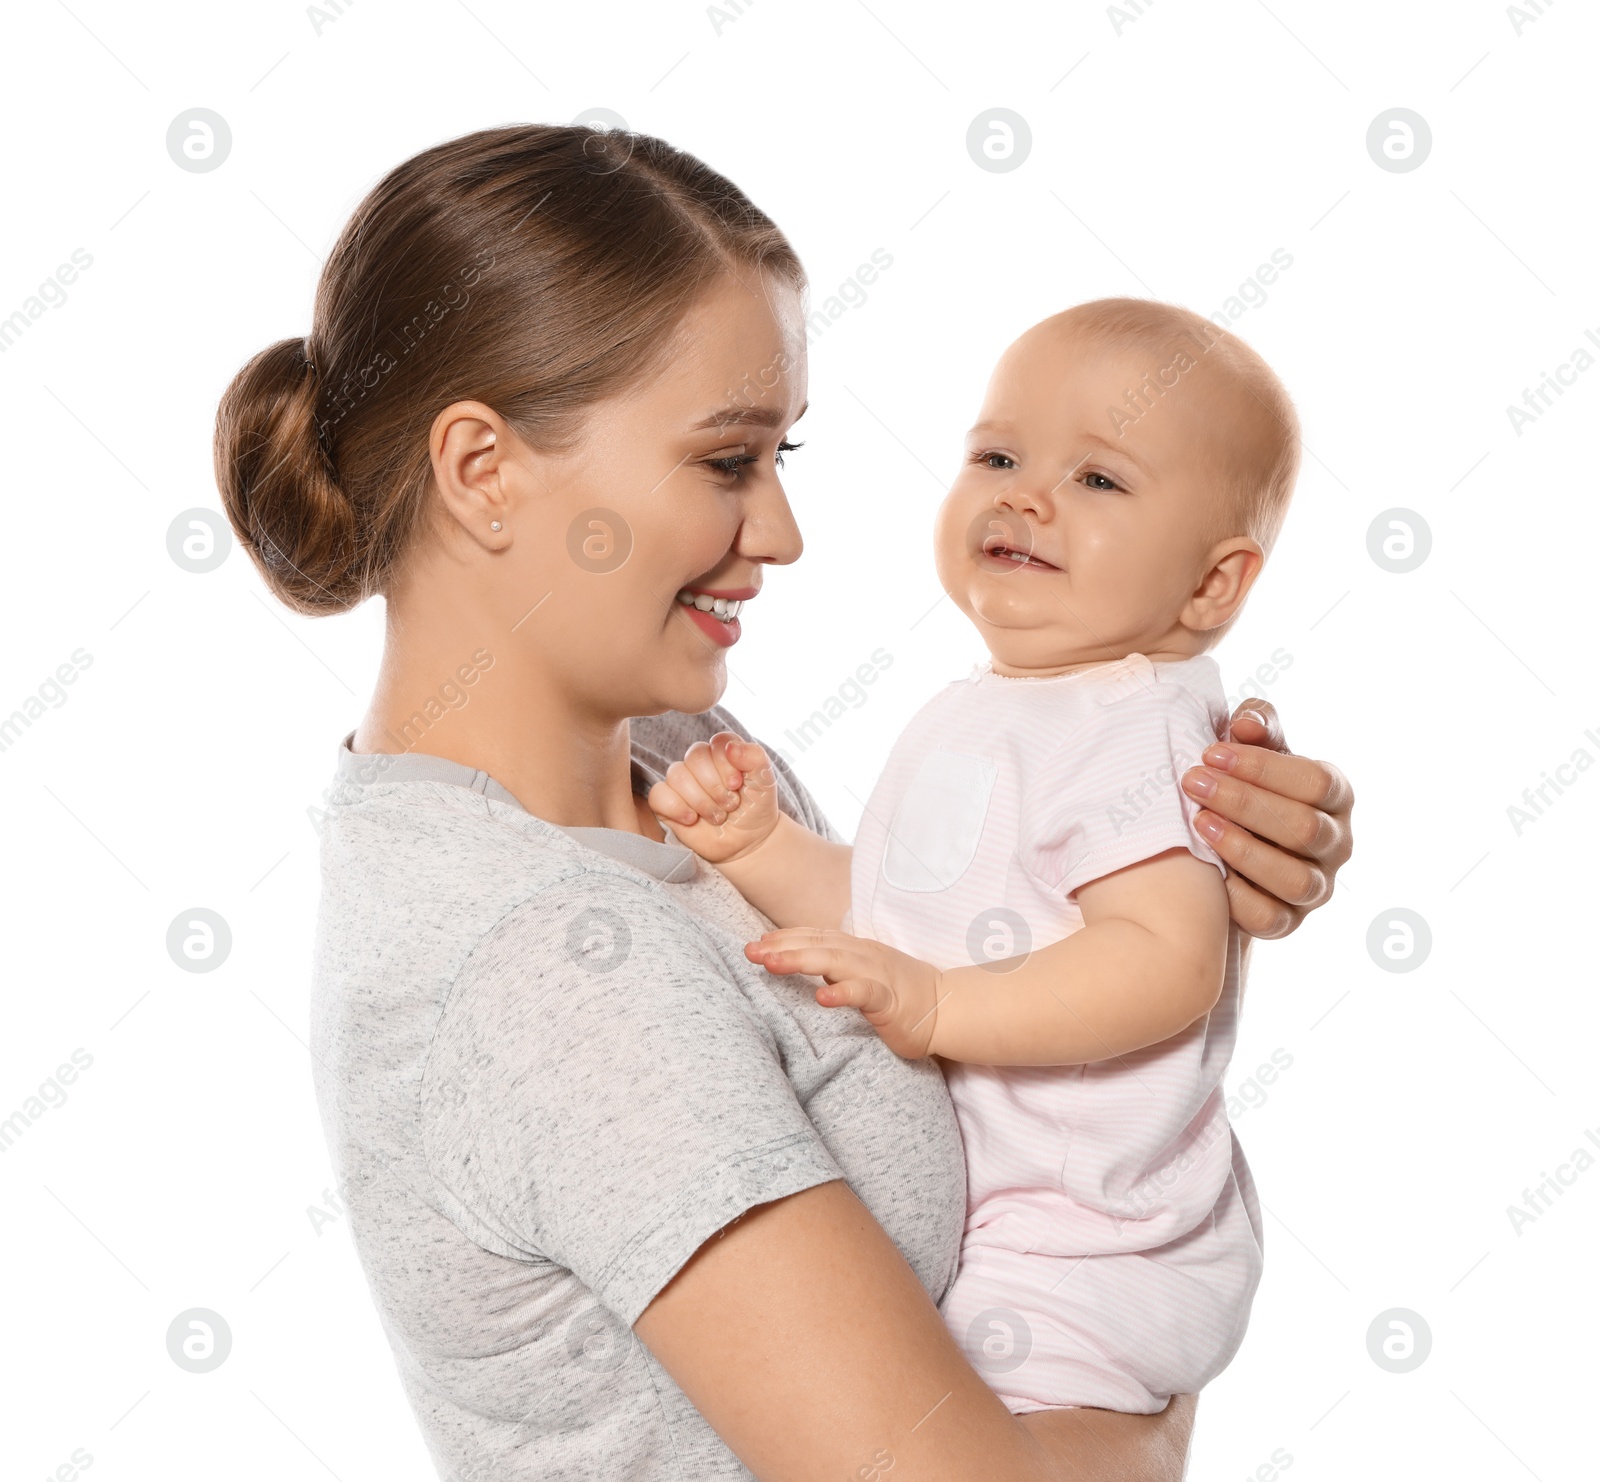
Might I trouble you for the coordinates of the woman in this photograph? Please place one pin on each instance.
(629, 1206)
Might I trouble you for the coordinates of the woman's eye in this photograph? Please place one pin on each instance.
(732, 465)
(1104, 484)
(735, 464)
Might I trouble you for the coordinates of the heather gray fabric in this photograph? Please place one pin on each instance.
(547, 1074)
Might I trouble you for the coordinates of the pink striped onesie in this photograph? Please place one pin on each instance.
(1113, 1238)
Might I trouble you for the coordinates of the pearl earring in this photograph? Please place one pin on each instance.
(494, 524)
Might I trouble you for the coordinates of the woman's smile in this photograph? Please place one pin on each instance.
(715, 610)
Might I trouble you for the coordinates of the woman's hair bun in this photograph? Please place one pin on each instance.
(279, 487)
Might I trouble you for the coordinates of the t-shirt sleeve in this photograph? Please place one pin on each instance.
(1109, 796)
(601, 1094)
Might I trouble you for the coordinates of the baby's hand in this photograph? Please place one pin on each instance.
(897, 994)
(720, 800)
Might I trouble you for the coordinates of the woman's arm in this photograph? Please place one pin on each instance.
(1280, 822)
(803, 1337)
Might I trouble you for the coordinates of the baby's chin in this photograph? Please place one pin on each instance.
(1032, 616)
(1036, 645)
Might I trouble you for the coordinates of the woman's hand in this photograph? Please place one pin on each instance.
(1280, 822)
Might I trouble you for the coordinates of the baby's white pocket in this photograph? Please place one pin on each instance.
(937, 826)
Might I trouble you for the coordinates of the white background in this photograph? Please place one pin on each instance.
(1172, 153)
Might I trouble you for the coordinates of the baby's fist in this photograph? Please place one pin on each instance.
(721, 800)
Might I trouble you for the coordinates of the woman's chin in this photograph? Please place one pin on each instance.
(690, 693)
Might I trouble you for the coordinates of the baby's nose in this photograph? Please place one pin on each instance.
(1032, 503)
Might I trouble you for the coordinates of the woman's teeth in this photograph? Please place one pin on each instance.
(718, 607)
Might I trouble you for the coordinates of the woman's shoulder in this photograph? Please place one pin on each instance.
(426, 883)
(426, 839)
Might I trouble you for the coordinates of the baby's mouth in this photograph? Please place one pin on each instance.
(996, 551)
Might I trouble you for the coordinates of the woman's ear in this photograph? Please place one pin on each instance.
(1231, 570)
(476, 471)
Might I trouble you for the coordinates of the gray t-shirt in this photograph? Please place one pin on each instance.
(547, 1074)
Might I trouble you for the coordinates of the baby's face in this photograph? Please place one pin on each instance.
(1117, 528)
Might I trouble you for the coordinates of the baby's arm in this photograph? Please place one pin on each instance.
(721, 801)
(1147, 962)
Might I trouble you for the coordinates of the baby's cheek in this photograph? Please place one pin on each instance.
(1124, 589)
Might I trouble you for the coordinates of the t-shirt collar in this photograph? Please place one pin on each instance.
(668, 860)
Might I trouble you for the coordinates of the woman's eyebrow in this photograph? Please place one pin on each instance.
(748, 416)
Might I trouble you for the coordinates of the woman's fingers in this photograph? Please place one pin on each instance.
(1260, 914)
(1294, 880)
(1319, 784)
(1276, 819)
(1280, 822)
(1297, 804)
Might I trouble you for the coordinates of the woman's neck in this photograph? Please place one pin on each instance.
(451, 689)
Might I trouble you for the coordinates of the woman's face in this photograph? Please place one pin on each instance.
(671, 492)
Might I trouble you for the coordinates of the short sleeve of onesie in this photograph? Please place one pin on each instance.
(610, 1107)
(1109, 796)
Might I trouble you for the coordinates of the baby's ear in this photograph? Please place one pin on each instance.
(1231, 570)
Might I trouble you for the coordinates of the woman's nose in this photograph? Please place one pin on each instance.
(769, 532)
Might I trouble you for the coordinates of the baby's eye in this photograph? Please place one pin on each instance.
(988, 460)
(1105, 485)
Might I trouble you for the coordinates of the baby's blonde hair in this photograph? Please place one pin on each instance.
(1258, 460)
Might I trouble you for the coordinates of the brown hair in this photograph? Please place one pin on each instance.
(537, 268)
(1256, 455)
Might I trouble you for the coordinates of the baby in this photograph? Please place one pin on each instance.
(1027, 897)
